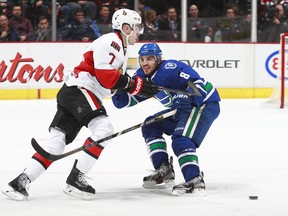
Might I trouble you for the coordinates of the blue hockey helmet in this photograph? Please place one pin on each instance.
(151, 49)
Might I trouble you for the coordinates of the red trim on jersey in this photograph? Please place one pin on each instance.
(107, 78)
(86, 65)
(46, 163)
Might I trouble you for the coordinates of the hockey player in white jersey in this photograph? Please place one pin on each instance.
(79, 103)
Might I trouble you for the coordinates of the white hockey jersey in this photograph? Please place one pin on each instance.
(98, 70)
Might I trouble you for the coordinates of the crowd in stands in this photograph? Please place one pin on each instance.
(86, 20)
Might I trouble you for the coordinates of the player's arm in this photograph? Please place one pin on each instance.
(189, 80)
(123, 99)
(112, 79)
(186, 79)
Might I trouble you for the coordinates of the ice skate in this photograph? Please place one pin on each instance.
(77, 185)
(195, 186)
(161, 178)
(17, 189)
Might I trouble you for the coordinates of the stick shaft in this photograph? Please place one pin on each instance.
(190, 84)
(53, 157)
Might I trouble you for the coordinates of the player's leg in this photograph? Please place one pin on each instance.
(185, 142)
(157, 149)
(100, 128)
(89, 111)
(62, 124)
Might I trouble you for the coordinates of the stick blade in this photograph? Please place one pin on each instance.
(42, 152)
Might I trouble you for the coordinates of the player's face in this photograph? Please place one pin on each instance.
(148, 64)
(134, 37)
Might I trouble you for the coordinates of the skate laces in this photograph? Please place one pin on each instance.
(162, 171)
(24, 181)
(82, 178)
(157, 173)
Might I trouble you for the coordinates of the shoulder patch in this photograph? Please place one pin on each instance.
(170, 65)
(115, 46)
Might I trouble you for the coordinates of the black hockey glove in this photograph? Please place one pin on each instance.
(143, 87)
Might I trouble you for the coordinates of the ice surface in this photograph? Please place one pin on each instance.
(245, 153)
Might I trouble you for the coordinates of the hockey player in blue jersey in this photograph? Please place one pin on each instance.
(187, 128)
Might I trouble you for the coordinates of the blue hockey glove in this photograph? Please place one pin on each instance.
(183, 104)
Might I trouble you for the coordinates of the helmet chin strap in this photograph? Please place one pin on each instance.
(124, 67)
(127, 40)
(127, 36)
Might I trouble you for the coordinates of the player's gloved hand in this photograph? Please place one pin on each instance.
(183, 104)
(143, 87)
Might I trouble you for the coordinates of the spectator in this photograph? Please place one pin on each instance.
(209, 37)
(7, 34)
(160, 6)
(104, 21)
(78, 30)
(150, 26)
(275, 23)
(88, 7)
(62, 15)
(22, 25)
(43, 31)
(3, 7)
(37, 9)
(123, 4)
(142, 6)
(247, 27)
(230, 27)
(25, 6)
(170, 27)
(197, 28)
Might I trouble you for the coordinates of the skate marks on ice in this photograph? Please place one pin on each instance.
(216, 190)
(220, 190)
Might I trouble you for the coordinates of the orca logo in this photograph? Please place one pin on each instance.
(170, 65)
(272, 64)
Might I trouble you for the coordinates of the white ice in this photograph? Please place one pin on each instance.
(245, 153)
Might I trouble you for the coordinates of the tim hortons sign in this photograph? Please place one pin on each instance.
(21, 70)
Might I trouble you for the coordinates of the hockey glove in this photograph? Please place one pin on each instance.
(143, 87)
(183, 104)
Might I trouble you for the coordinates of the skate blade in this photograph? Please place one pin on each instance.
(153, 185)
(72, 191)
(197, 192)
(170, 183)
(15, 195)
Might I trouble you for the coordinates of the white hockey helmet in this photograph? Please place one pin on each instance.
(128, 16)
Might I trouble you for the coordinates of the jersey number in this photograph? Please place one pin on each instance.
(185, 76)
(112, 59)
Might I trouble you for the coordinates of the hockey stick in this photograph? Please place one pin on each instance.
(53, 157)
(195, 89)
(176, 91)
(190, 84)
